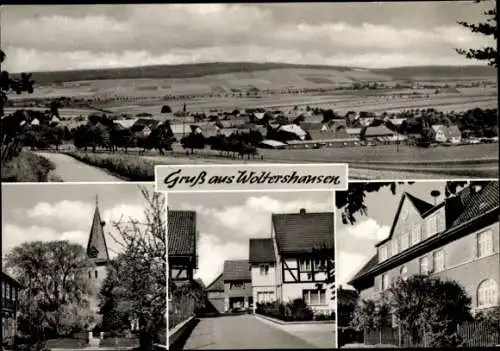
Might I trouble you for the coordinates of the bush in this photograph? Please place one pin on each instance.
(28, 167)
(348, 335)
(296, 310)
(133, 168)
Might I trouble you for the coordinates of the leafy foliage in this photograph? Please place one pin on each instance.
(56, 295)
(136, 287)
(432, 305)
(487, 28)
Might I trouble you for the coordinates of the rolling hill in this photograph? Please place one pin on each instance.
(197, 70)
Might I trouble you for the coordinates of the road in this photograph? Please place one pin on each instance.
(72, 170)
(246, 331)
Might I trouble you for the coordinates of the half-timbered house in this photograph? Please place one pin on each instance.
(304, 250)
(237, 285)
(182, 238)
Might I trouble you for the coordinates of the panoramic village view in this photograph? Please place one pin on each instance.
(83, 267)
(424, 269)
(252, 270)
(128, 87)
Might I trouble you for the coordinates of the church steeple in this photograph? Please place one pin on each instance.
(96, 247)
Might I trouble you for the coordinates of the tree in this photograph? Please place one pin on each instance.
(372, 315)
(56, 288)
(142, 268)
(488, 28)
(12, 127)
(430, 307)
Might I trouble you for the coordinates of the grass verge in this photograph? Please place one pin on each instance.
(129, 167)
(29, 167)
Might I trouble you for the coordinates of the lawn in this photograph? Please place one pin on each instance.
(28, 167)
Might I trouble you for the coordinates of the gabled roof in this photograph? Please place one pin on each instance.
(236, 270)
(10, 280)
(420, 205)
(380, 130)
(181, 233)
(217, 284)
(303, 232)
(476, 209)
(261, 251)
(479, 202)
(372, 262)
(96, 246)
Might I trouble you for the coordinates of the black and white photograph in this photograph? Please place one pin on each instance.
(398, 90)
(83, 267)
(421, 270)
(251, 270)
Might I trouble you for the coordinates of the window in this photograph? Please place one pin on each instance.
(95, 273)
(264, 269)
(9, 289)
(90, 275)
(415, 233)
(404, 273)
(487, 294)
(404, 242)
(314, 297)
(394, 246)
(265, 297)
(485, 243)
(305, 265)
(438, 261)
(385, 281)
(424, 265)
(441, 225)
(319, 265)
(432, 227)
(383, 253)
(236, 285)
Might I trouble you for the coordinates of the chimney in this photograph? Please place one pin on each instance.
(302, 211)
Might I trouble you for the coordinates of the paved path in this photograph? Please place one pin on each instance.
(241, 332)
(72, 170)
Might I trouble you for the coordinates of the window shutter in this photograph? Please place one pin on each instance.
(430, 263)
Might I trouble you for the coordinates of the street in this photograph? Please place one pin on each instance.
(243, 332)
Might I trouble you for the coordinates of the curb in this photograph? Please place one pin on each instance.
(277, 321)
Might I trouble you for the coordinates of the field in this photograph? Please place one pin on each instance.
(218, 86)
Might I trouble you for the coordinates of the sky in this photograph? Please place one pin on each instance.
(48, 212)
(226, 221)
(356, 243)
(365, 34)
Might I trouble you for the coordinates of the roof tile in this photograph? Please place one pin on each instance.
(261, 251)
(297, 232)
(181, 233)
(237, 270)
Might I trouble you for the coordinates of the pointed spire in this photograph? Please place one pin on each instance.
(97, 248)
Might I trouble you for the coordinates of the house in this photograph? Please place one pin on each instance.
(378, 132)
(443, 134)
(215, 295)
(10, 298)
(293, 129)
(237, 285)
(262, 258)
(457, 239)
(182, 238)
(300, 273)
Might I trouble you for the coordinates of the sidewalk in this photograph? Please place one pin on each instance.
(321, 335)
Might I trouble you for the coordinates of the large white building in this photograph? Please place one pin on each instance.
(288, 265)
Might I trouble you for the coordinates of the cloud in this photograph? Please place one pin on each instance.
(368, 229)
(14, 235)
(65, 213)
(348, 264)
(170, 34)
(254, 216)
(213, 252)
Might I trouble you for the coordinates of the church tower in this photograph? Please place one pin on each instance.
(97, 251)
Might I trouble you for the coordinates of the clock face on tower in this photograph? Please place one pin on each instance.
(93, 252)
